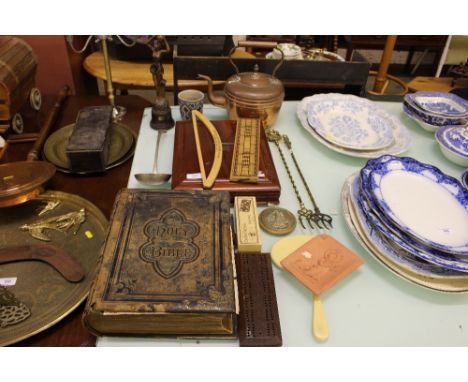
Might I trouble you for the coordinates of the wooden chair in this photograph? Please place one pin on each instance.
(300, 77)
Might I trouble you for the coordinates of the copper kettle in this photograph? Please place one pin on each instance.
(250, 94)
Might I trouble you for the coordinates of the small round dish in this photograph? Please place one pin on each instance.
(453, 142)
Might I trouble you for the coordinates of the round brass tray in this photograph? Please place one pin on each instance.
(39, 286)
(121, 147)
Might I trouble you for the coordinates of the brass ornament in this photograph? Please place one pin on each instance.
(47, 206)
(60, 223)
(12, 311)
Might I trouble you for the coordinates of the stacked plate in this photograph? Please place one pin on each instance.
(413, 219)
(352, 125)
(434, 109)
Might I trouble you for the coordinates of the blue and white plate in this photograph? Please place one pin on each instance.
(453, 142)
(454, 138)
(464, 178)
(401, 143)
(431, 118)
(420, 201)
(440, 103)
(350, 122)
(426, 126)
(410, 245)
(394, 259)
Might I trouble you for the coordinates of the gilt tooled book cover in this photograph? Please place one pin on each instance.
(166, 266)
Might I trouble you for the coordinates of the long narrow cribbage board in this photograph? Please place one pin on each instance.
(245, 156)
(259, 323)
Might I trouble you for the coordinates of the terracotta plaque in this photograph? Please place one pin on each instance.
(321, 262)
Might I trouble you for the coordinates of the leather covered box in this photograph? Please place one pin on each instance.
(166, 266)
(88, 147)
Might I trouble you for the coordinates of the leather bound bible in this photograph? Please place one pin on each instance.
(166, 266)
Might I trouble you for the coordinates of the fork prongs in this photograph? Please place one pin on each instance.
(321, 220)
(304, 213)
(326, 221)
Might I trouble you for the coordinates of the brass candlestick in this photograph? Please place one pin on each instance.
(118, 111)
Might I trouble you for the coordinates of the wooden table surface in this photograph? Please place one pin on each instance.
(436, 84)
(99, 189)
(135, 74)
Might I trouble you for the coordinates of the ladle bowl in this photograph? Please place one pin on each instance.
(154, 178)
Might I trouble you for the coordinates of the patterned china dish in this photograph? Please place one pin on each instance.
(290, 52)
(321, 55)
(453, 142)
(409, 246)
(450, 116)
(464, 178)
(424, 203)
(398, 261)
(440, 103)
(406, 243)
(377, 130)
(414, 117)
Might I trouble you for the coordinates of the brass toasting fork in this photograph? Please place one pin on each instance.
(314, 216)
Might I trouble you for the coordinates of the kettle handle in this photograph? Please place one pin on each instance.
(256, 44)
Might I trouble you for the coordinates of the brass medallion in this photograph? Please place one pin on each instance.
(277, 221)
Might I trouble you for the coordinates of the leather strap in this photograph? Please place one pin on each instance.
(66, 265)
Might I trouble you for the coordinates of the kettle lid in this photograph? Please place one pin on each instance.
(254, 86)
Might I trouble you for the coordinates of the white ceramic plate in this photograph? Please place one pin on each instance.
(421, 201)
(349, 121)
(398, 261)
(440, 103)
(401, 135)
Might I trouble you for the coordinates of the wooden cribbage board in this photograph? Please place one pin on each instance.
(244, 164)
(259, 323)
(185, 163)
